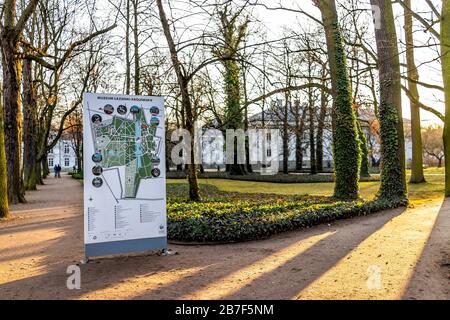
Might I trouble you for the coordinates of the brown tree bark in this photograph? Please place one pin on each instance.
(393, 175)
(346, 152)
(417, 175)
(445, 53)
(194, 190)
(137, 68)
(12, 69)
(4, 208)
(286, 136)
(30, 163)
(320, 130)
(11, 29)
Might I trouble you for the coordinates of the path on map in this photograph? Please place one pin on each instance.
(396, 254)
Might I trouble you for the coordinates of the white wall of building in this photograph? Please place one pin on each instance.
(62, 154)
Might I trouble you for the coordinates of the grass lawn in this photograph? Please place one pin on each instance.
(432, 170)
(242, 210)
(429, 191)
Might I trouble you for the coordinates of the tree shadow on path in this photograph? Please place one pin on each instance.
(431, 275)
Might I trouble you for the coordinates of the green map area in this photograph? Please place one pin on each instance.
(130, 143)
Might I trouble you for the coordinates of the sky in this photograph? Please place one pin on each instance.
(277, 20)
(430, 73)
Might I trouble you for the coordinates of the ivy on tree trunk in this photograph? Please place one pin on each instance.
(445, 57)
(393, 175)
(4, 211)
(346, 149)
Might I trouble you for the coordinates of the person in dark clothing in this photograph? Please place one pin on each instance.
(57, 170)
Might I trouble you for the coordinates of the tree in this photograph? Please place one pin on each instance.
(56, 73)
(445, 53)
(365, 168)
(433, 146)
(417, 175)
(4, 210)
(232, 34)
(183, 82)
(74, 131)
(31, 167)
(393, 175)
(346, 149)
(299, 114)
(11, 29)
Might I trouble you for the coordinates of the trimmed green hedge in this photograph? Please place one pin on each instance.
(246, 220)
(76, 175)
(278, 178)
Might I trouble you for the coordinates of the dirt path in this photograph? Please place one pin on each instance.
(391, 255)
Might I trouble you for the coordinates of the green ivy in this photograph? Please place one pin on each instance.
(392, 179)
(246, 220)
(365, 170)
(346, 148)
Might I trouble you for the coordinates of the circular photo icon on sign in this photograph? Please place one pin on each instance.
(156, 172)
(154, 121)
(96, 119)
(156, 160)
(97, 157)
(122, 110)
(154, 111)
(108, 109)
(135, 109)
(97, 182)
(97, 170)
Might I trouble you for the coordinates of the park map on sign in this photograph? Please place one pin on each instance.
(130, 143)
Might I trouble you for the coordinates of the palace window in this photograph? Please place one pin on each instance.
(50, 162)
(66, 162)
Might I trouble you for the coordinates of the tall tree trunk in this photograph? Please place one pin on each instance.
(29, 128)
(248, 165)
(298, 151)
(393, 177)
(286, 137)
(234, 116)
(44, 165)
(299, 125)
(365, 168)
(232, 34)
(346, 149)
(80, 155)
(312, 142)
(320, 131)
(417, 175)
(137, 68)
(127, 50)
(4, 209)
(445, 53)
(194, 190)
(38, 169)
(12, 69)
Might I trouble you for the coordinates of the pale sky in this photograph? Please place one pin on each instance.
(276, 21)
(430, 73)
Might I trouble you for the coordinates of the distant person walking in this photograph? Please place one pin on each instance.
(57, 170)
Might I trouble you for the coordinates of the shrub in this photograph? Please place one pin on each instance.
(78, 176)
(242, 220)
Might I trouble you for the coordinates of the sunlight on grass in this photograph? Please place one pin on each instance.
(420, 193)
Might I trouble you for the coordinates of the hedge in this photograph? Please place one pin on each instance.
(76, 175)
(278, 178)
(243, 221)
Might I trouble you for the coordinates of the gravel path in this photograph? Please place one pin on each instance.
(397, 254)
